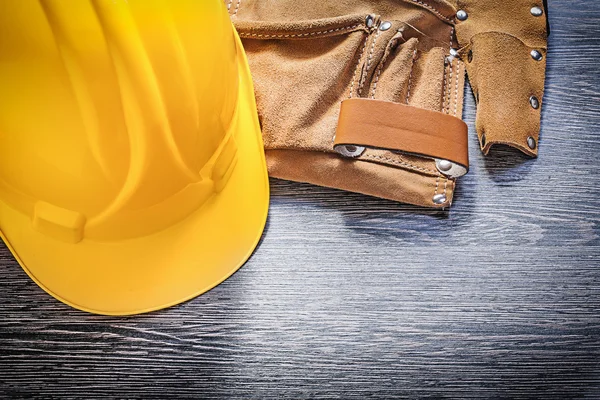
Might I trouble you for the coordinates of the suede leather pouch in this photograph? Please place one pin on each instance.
(367, 96)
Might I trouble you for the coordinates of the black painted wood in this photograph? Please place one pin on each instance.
(350, 296)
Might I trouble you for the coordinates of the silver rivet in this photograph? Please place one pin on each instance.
(535, 103)
(439, 199)
(537, 11)
(444, 165)
(385, 26)
(454, 52)
(370, 21)
(462, 15)
(483, 140)
(531, 143)
(350, 150)
(536, 55)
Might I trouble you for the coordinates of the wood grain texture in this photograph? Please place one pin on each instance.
(351, 297)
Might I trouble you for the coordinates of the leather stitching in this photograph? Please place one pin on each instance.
(445, 89)
(380, 68)
(345, 28)
(433, 10)
(399, 163)
(360, 57)
(412, 67)
(456, 90)
(445, 187)
(237, 8)
(371, 53)
(450, 81)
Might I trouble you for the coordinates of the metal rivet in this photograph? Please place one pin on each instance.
(444, 165)
(439, 199)
(470, 56)
(537, 11)
(462, 15)
(370, 21)
(535, 103)
(536, 55)
(531, 143)
(350, 150)
(385, 26)
(454, 52)
(483, 140)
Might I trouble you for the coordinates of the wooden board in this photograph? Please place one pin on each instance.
(350, 296)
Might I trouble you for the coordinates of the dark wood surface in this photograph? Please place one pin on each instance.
(351, 297)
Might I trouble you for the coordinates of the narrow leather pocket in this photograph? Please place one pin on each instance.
(302, 71)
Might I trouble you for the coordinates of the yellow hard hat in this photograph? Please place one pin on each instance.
(132, 172)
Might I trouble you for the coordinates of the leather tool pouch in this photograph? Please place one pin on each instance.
(326, 88)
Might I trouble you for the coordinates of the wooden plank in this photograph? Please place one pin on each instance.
(351, 296)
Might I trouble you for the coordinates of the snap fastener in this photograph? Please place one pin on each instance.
(537, 11)
(462, 15)
(385, 26)
(439, 199)
(535, 103)
(531, 143)
(444, 165)
(470, 56)
(370, 21)
(350, 150)
(536, 55)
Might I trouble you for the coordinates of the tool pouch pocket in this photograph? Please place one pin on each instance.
(304, 71)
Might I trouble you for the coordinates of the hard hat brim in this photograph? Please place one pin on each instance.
(169, 267)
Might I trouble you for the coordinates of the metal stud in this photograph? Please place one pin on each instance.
(370, 21)
(531, 143)
(536, 55)
(444, 165)
(537, 11)
(385, 26)
(535, 103)
(350, 150)
(462, 15)
(439, 199)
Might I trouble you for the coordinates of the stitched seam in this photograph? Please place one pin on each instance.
(362, 53)
(380, 69)
(456, 91)
(237, 8)
(412, 68)
(450, 80)
(437, 185)
(229, 5)
(399, 163)
(364, 78)
(445, 88)
(345, 28)
(445, 187)
(436, 12)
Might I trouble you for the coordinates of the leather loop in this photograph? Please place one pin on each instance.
(402, 128)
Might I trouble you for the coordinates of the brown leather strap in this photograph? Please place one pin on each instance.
(398, 127)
